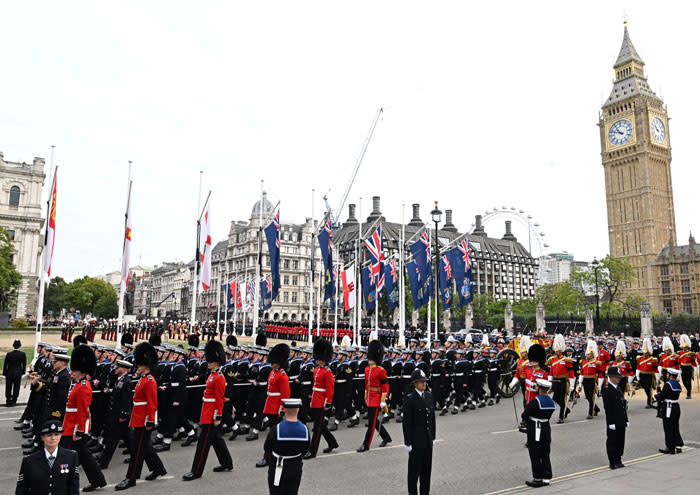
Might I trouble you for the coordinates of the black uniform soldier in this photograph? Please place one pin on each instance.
(539, 434)
(51, 470)
(615, 418)
(286, 445)
(12, 370)
(670, 412)
(419, 433)
(120, 411)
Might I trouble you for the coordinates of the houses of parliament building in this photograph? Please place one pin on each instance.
(636, 156)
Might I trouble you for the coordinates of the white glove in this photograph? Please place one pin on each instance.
(612, 427)
(382, 405)
(408, 448)
(572, 383)
(600, 383)
(513, 382)
(580, 380)
(657, 375)
(660, 368)
(627, 425)
(637, 374)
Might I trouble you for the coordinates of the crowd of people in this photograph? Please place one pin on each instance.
(149, 395)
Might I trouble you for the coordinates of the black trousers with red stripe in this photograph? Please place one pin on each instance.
(320, 428)
(142, 450)
(210, 436)
(375, 423)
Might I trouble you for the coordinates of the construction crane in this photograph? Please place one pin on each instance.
(329, 211)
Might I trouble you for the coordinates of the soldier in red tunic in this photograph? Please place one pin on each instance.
(321, 398)
(623, 366)
(76, 422)
(561, 372)
(536, 355)
(143, 419)
(689, 362)
(376, 391)
(647, 373)
(588, 379)
(668, 358)
(277, 388)
(210, 418)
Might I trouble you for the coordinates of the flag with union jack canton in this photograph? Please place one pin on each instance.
(446, 282)
(272, 234)
(325, 241)
(375, 247)
(460, 260)
(369, 290)
(391, 277)
(421, 250)
(266, 293)
(416, 285)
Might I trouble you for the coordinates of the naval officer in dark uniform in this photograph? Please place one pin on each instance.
(539, 434)
(51, 470)
(615, 418)
(285, 446)
(419, 433)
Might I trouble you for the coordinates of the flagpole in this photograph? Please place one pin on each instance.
(311, 283)
(335, 314)
(258, 267)
(122, 285)
(235, 295)
(195, 269)
(402, 291)
(218, 302)
(358, 279)
(321, 280)
(42, 273)
(430, 237)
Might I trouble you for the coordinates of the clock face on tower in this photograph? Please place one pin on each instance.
(620, 132)
(658, 129)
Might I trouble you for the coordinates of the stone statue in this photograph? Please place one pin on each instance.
(508, 316)
(645, 315)
(539, 317)
(589, 322)
(469, 317)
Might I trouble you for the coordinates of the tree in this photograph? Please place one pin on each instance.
(613, 274)
(87, 295)
(561, 298)
(54, 295)
(10, 278)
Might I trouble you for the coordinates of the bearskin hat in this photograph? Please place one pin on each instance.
(375, 351)
(127, 338)
(214, 352)
(323, 351)
(145, 355)
(261, 339)
(83, 359)
(193, 340)
(79, 339)
(231, 340)
(536, 353)
(279, 354)
(154, 340)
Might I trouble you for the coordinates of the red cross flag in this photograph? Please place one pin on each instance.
(126, 254)
(50, 232)
(348, 278)
(206, 247)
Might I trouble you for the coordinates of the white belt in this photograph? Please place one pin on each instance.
(669, 406)
(340, 381)
(274, 394)
(208, 399)
(538, 427)
(175, 384)
(668, 401)
(262, 383)
(306, 383)
(280, 466)
(316, 389)
(71, 409)
(459, 374)
(408, 377)
(140, 403)
(294, 377)
(478, 371)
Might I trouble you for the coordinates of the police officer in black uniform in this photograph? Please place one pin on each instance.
(117, 423)
(419, 433)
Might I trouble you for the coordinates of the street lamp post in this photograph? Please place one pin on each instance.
(437, 216)
(596, 265)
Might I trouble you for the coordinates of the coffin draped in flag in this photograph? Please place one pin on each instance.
(50, 232)
(462, 271)
(266, 293)
(446, 282)
(369, 290)
(416, 284)
(272, 234)
(205, 247)
(391, 281)
(375, 248)
(325, 242)
(349, 290)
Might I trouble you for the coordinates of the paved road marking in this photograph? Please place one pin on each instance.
(323, 456)
(566, 477)
(552, 424)
(9, 448)
(9, 419)
(138, 482)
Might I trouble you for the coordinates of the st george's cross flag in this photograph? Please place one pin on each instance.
(50, 232)
(205, 249)
(349, 291)
(126, 253)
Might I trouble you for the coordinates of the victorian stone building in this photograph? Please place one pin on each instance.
(677, 270)
(21, 215)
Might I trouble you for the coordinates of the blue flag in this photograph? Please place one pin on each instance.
(272, 234)
(229, 295)
(325, 241)
(391, 284)
(266, 293)
(462, 271)
(416, 284)
(445, 282)
(369, 291)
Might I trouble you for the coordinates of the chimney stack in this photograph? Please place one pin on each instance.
(449, 226)
(351, 215)
(416, 216)
(376, 211)
(479, 228)
(509, 234)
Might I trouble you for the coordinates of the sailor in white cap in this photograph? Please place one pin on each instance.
(670, 412)
(285, 446)
(539, 434)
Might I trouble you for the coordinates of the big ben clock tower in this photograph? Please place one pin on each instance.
(636, 154)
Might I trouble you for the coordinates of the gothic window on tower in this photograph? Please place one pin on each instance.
(687, 305)
(668, 307)
(684, 268)
(665, 287)
(685, 286)
(664, 271)
(14, 196)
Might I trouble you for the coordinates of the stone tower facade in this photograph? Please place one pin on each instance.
(636, 156)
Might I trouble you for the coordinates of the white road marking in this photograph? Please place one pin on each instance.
(552, 424)
(398, 446)
(9, 419)
(9, 448)
(138, 482)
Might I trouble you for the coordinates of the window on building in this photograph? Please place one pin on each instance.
(295, 280)
(286, 264)
(684, 268)
(665, 287)
(286, 280)
(668, 307)
(306, 298)
(687, 305)
(295, 264)
(285, 297)
(12, 234)
(664, 271)
(685, 286)
(294, 297)
(14, 196)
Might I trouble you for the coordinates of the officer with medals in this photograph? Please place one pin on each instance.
(419, 432)
(285, 445)
(539, 434)
(670, 412)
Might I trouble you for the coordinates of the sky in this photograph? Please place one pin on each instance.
(486, 104)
